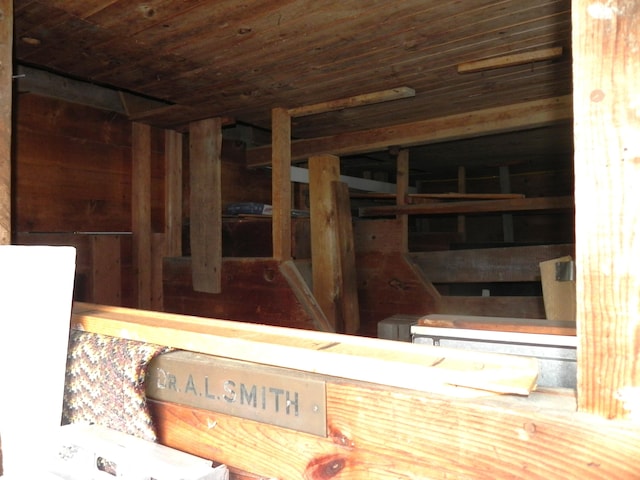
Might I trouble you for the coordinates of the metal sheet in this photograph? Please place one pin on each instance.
(276, 396)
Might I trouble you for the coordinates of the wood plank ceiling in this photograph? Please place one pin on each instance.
(242, 58)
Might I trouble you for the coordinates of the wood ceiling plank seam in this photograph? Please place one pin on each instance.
(81, 8)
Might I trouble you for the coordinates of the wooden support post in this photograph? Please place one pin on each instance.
(173, 192)
(462, 188)
(607, 174)
(507, 218)
(402, 191)
(206, 204)
(141, 211)
(106, 276)
(281, 183)
(6, 71)
(325, 258)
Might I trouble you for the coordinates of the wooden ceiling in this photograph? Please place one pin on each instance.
(240, 59)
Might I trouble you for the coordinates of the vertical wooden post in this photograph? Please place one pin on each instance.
(507, 218)
(607, 174)
(106, 281)
(173, 193)
(325, 259)
(205, 157)
(402, 190)
(462, 188)
(6, 81)
(141, 211)
(281, 183)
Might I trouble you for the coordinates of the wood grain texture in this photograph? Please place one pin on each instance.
(6, 89)
(173, 192)
(281, 183)
(607, 170)
(141, 210)
(381, 433)
(205, 147)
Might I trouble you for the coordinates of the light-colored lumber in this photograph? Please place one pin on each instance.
(141, 211)
(173, 192)
(504, 324)
(532, 114)
(281, 183)
(205, 150)
(355, 101)
(325, 257)
(454, 372)
(471, 207)
(6, 96)
(540, 55)
(607, 172)
(350, 311)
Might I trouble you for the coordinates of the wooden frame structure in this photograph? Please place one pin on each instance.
(377, 430)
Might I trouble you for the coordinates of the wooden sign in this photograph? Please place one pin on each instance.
(271, 395)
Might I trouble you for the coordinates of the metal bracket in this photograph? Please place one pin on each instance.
(565, 271)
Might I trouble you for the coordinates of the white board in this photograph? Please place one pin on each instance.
(36, 290)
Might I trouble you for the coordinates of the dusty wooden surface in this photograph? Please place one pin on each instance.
(6, 94)
(607, 166)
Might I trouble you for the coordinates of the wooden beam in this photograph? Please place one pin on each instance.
(141, 211)
(373, 428)
(402, 192)
(607, 174)
(349, 308)
(173, 193)
(106, 271)
(502, 324)
(325, 259)
(472, 207)
(6, 96)
(355, 101)
(539, 55)
(489, 121)
(205, 147)
(281, 183)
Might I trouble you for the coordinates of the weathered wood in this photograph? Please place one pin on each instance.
(106, 271)
(281, 183)
(482, 122)
(402, 190)
(503, 324)
(141, 211)
(511, 306)
(378, 235)
(507, 264)
(173, 192)
(273, 301)
(441, 196)
(205, 147)
(458, 373)
(6, 95)
(325, 257)
(355, 101)
(471, 207)
(350, 312)
(607, 172)
(542, 54)
(303, 293)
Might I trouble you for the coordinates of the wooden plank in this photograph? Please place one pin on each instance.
(106, 272)
(355, 101)
(542, 54)
(6, 96)
(441, 196)
(349, 309)
(173, 192)
(503, 324)
(512, 306)
(141, 211)
(455, 372)
(489, 121)
(507, 218)
(471, 207)
(607, 129)
(325, 259)
(374, 431)
(304, 295)
(205, 147)
(402, 190)
(462, 188)
(508, 264)
(281, 183)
